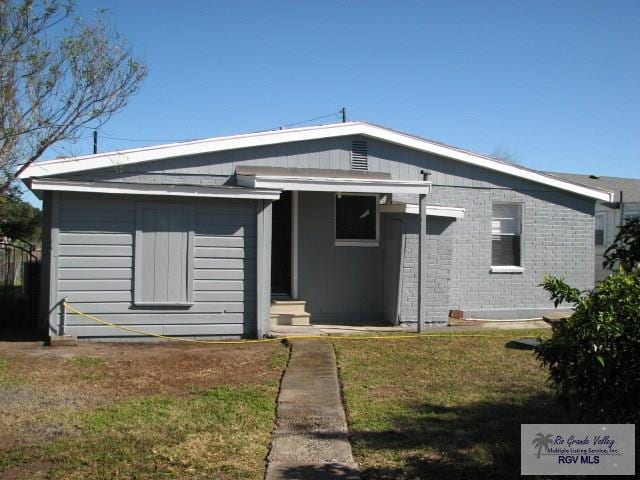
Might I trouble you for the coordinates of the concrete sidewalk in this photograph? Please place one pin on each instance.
(463, 326)
(310, 440)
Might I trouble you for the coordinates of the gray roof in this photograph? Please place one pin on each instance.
(630, 186)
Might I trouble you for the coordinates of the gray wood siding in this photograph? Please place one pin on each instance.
(96, 267)
(217, 168)
(341, 284)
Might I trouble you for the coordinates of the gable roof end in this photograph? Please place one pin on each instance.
(273, 137)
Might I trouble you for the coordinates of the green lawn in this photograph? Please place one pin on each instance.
(138, 412)
(442, 407)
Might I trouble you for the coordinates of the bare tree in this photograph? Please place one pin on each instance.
(505, 154)
(58, 74)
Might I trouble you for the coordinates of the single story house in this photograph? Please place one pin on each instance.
(223, 236)
(609, 215)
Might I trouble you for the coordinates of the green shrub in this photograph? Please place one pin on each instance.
(625, 249)
(594, 356)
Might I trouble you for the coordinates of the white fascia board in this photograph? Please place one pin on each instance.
(485, 162)
(329, 184)
(138, 155)
(196, 147)
(145, 189)
(414, 209)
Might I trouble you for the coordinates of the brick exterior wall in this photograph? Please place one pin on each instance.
(557, 239)
(439, 258)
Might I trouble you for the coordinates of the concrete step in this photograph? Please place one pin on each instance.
(289, 312)
(288, 306)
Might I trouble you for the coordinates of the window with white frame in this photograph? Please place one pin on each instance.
(600, 225)
(356, 220)
(506, 228)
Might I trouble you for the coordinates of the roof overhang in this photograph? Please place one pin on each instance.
(333, 184)
(147, 189)
(273, 137)
(431, 210)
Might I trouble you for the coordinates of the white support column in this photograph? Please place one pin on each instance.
(422, 264)
(54, 252)
(263, 267)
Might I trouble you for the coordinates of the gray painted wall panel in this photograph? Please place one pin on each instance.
(215, 169)
(115, 307)
(96, 267)
(222, 330)
(340, 284)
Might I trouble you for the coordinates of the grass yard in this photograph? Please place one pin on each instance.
(442, 407)
(153, 411)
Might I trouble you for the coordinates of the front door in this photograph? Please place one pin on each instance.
(281, 247)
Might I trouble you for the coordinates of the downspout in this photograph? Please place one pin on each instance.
(621, 208)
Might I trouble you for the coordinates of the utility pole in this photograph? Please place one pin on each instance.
(343, 111)
(95, 142)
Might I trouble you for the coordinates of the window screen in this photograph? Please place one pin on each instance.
(599, 229)
(356, 217)
(505, 235)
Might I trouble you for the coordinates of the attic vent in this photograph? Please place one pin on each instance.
(359, 155)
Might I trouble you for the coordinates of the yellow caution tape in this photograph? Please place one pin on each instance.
(279, 339)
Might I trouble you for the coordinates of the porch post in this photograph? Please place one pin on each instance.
(422, 264)
(263, 268)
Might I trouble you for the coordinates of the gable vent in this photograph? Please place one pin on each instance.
(359, 155)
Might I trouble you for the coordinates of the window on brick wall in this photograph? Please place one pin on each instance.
(600, 229)
(506, 227)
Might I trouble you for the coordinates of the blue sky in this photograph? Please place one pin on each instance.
(555, 83)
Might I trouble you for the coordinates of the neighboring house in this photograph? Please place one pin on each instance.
(609, 215)
(197, 238)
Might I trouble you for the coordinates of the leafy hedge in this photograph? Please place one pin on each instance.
(594, 356)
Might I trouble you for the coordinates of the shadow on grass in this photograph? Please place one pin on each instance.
(480, 441)
(321, 471)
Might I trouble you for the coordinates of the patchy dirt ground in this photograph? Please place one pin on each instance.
(43, 388)
(133, 369)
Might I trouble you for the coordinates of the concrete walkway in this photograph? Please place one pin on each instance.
(310, 440)
(463, 326)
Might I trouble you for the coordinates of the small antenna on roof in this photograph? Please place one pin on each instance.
(95, 142)
(343, 111)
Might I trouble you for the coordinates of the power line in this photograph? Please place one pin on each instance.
(333, 114)
(104, 134)
(110, 137)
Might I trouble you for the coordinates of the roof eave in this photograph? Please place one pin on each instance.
(160, 152)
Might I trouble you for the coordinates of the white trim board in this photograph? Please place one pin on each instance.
(414, 209)
(273, 137)
(329, 184)
(146, 189)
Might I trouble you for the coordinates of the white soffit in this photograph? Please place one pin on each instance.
(272, 137)
(146, 189)
(330, 184)
(414, 209)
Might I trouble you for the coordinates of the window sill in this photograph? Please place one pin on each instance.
(357, 243)
(162, 304)
(506, 269)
